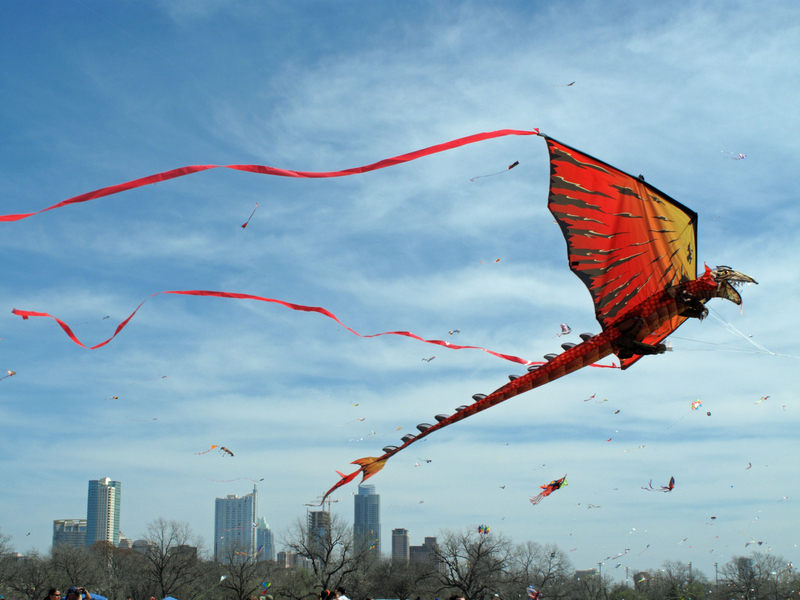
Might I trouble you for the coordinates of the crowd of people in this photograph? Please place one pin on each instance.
(75, 593)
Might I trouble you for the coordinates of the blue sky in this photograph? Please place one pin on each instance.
(94, 94)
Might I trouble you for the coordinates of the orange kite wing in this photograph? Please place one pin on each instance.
(626, 240)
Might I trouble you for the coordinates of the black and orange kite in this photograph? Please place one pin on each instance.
(634, 248)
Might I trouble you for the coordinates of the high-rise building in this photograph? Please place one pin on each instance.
(102, 511)
(69, 532)
(318, 530)
(235, 525)
(265, 550)
(424, 552)
(367, 519)
(400, 544)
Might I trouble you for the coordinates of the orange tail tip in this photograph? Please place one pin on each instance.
(370, 465)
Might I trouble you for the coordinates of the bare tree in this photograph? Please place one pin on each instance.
(243, 573)
(74, 566)
(474, 564)
(547, 567)
(757, 577)
(400, 579)
(171, 555)
(591, 587)
(332, 554)
(6, 561)
(31, 576)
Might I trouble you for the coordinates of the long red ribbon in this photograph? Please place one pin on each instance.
(265, 170)
(26, 313)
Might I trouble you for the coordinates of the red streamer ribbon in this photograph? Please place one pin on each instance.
(300, 307)
(265, 170)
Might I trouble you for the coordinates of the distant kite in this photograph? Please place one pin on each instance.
(549, 489)
(696, 404)
(207, 451)
(251, 216)
(533, 593)
(223, 450)
(483, 529)
(428, 359)
(511, 166)
(10, 374)
(565, 329)
(664, 488)
(736, 156)
(454, 331)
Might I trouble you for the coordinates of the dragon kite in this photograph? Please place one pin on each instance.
(635, 249)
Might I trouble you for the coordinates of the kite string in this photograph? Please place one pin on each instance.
(729, 327)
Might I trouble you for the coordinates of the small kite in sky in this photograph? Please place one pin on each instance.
(548, 489)
(631, 449)
(454, 331)
(207, 451)
(112, 398)
(511, 166)
(484, 529)
(223, 450)
(251, 216)
(749, 466)
(494, 261)
(428, 359)
(533, 593)
(762, 399)
(562, 84)
(591, 397)
(696, 404)
(736, 155)
(664, 488)
(10, 374)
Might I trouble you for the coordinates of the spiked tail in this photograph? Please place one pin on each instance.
(368, 466)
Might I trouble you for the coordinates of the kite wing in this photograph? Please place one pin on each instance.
(626, 240)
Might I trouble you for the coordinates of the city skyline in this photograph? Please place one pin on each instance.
(233, 522)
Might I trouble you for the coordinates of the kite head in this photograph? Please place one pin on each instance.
(728, 281)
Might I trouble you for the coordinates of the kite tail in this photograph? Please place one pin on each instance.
(368, 466)
(536, 499)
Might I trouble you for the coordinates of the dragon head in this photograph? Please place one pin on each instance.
(728, 281)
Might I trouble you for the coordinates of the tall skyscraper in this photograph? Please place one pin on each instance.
(400, 544)
(318, 532)
(69, 532)
(367, 519)
(102, 511)
(265, 548)
(235, 525)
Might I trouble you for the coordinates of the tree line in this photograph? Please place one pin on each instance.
(465, 563)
